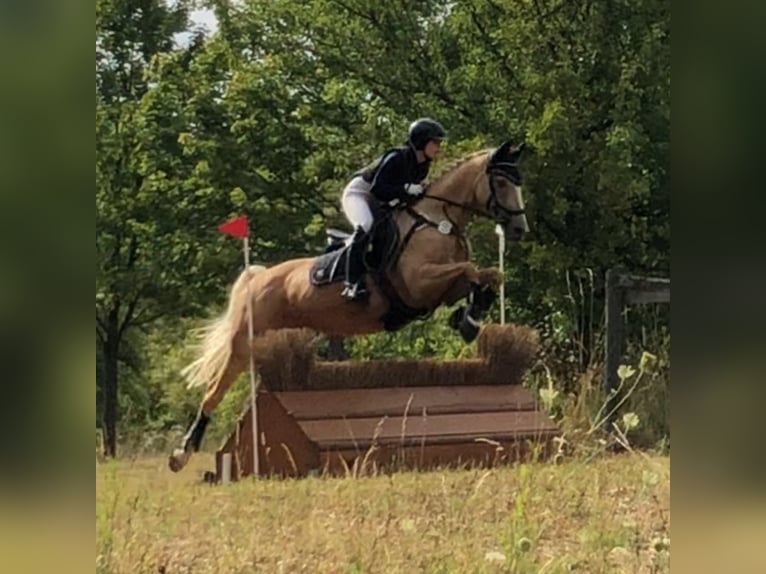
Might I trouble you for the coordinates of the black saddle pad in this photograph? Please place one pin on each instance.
(331, 267)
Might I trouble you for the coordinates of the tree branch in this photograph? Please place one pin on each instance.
(100, 328)
(127, 320)
(502, 58)
(369, 17)
(544, 29)
(552, 229)
(601, 126)
(132, 252)
(140, 321)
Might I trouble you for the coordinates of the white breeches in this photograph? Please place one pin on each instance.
(356, 203)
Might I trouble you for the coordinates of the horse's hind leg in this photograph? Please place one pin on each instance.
(193, 438)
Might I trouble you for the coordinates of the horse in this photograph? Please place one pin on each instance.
(429, 266)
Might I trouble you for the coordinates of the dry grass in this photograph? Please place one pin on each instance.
(610, 515)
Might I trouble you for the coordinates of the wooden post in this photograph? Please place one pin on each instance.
(615, 333)
(501, 256)
(622, 290)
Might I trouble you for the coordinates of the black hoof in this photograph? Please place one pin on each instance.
(193, 438)
(484, 297)
(469, 332)
(209, 477)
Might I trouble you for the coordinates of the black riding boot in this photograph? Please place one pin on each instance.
(355, 287)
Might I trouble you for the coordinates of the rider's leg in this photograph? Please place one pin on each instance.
(357, 209)
(356, 204)
(355, 288)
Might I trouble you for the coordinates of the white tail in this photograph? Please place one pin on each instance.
(215, 350)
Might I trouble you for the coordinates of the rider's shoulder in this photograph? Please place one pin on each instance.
(401, 150)
(402, 156)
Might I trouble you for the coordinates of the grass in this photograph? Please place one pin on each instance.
(610, 514)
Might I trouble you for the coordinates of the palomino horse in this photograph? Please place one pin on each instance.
(432, 269)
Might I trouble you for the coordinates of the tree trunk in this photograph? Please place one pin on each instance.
(110, 347)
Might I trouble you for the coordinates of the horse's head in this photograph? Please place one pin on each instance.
(500, 195)
(486, 184)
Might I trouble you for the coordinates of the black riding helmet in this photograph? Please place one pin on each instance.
(424, 130)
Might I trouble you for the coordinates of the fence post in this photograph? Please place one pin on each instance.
(615, 333)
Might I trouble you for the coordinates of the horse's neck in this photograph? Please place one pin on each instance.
(456, 187)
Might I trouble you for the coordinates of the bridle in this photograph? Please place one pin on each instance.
(509, 170)
(493, 209)
(497, 212)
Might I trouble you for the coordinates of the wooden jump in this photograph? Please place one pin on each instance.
(413, 421)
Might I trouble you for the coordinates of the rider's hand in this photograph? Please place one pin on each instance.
(415, 190)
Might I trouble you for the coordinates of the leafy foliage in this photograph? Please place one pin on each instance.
(271, 114)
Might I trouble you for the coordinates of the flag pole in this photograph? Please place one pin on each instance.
(253, 385)
(501, 255)
(238, 227)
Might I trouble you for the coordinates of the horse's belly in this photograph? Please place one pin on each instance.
(324, 310)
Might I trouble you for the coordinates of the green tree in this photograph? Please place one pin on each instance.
(271, 115)
(585, 84)
(128, 35)
(184, 140)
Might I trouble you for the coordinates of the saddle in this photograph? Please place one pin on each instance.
(383, 253)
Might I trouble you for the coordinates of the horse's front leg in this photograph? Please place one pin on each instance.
(479, 288)
(461, 287)
(449, 282)
(431, 284)
(490, 277)
(446, 281)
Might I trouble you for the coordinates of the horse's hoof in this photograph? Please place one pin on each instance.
(468, 331)
(178, 459)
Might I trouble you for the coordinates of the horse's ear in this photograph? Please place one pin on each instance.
(505, 150)
(501, 153)
(514, 154)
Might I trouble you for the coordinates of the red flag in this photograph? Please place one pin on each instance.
(236, 227)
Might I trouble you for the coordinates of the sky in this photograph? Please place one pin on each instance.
(204, 18)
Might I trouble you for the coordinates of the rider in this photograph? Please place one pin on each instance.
(391, 179)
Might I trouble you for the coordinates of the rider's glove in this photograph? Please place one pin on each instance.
(414, 190)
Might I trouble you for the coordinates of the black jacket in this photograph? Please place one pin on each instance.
(392, 172)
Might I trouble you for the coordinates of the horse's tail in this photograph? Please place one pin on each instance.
(217, 336)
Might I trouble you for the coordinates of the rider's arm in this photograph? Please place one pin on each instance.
(391, 178)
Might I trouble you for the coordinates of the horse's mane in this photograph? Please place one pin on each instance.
(456, 163)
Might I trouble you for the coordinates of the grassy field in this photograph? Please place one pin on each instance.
(610, 514)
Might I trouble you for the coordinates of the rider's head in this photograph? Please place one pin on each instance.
(426, 135)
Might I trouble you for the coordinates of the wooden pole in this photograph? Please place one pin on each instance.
(615, 333)
(253, 385)
(501, 255)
